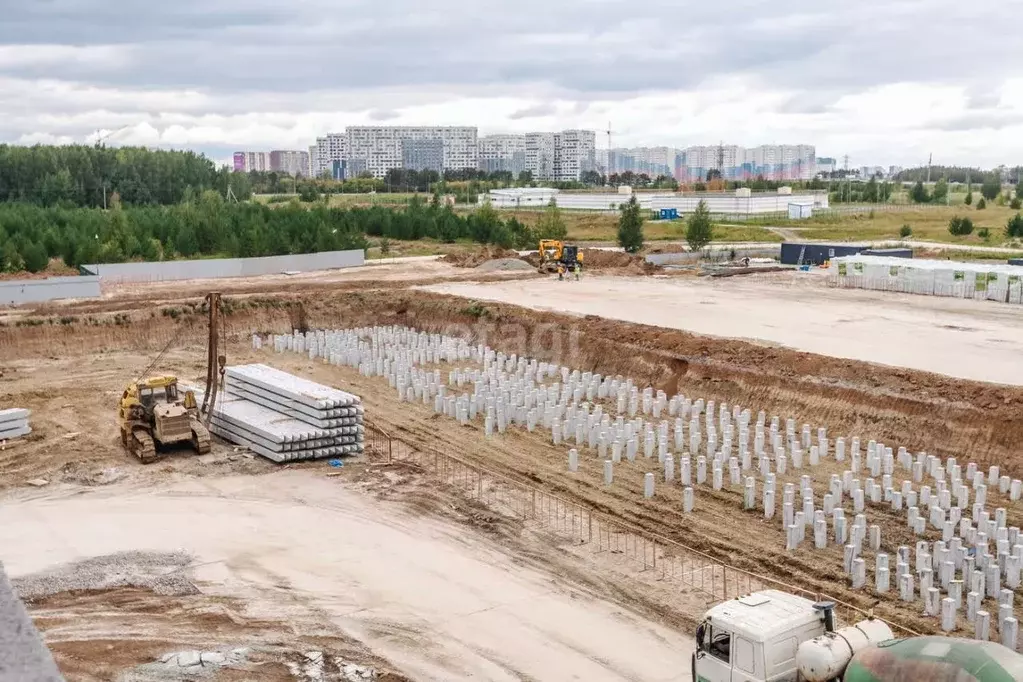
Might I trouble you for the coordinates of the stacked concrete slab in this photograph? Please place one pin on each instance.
(286, 418)
(14, 423)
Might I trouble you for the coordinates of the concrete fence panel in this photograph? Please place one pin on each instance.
(16, 292)
(217, 268)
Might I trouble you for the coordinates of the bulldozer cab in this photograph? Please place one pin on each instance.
(153, 391)
(551, 249)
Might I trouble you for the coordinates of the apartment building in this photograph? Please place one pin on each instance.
(652, 161)
(245, 162)
(333, 147)
(423, 154)
(381, 148)
(563, 156)
(772, 162)
(502, 153)
(827, 164)
(575, 152)
(289, 161)
(540, 155)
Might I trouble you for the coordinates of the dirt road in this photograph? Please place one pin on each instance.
(964, 339)
(439, 603)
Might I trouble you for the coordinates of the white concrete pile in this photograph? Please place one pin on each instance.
(14, 423)
(609, 422)
(286, 418)
(981, 281)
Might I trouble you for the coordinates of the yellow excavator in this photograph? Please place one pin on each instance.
(554, 252)
(154, 413)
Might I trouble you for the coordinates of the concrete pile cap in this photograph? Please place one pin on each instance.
(303, 390)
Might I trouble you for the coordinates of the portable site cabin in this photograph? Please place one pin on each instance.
(979, 281)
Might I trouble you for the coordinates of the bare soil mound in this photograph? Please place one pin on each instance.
(600, 259)
(471, 258)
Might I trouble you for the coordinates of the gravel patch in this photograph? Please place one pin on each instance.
(504, 264)
(164, 573)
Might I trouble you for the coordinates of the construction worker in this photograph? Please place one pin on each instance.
(561, 272)
(578, 268)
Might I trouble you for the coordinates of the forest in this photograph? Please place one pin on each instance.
(208, 225)
(84, 176)
(100, 205)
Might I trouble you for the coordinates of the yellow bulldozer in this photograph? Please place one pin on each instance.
(554, 252)
(154, 412)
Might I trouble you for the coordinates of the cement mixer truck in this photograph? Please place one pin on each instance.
(773, 636)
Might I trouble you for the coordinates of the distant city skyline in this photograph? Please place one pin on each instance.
(556, 156)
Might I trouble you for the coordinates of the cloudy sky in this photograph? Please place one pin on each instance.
(884, 81)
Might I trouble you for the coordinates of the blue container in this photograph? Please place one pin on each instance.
(669, 214)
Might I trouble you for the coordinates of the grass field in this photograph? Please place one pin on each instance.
(927, 223)
(603, 227)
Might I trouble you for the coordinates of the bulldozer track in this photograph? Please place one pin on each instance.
(143, 446)
(200, 438)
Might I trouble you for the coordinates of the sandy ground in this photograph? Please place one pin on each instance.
(966, 339)
(437, 587)
(382, 270)
(435, 601)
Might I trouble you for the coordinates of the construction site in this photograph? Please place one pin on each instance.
(456, 469)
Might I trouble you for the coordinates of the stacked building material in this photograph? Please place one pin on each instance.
(285, 418)
(14, 423)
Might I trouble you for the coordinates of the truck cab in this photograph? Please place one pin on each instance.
(754, 638)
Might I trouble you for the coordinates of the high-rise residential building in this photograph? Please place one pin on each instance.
(563, 156)
(772, 162)
(827, 164)
(329, 153)
(245, 162)
(502, 153)
(381, 148)
(423, 154)
(289, 161)
(651, 161)
(540, 155)
(575, 153)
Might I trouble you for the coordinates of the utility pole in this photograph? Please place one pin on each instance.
(930, 158)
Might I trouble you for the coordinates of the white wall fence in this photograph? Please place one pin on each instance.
(979, 281)
(16, 292)
(684, 203)
(215, 268)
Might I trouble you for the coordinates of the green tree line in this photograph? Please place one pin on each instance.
(207, 225)
(80, 175)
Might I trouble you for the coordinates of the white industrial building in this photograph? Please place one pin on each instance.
(740, 202)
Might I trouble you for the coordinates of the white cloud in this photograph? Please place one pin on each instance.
(886, 81)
